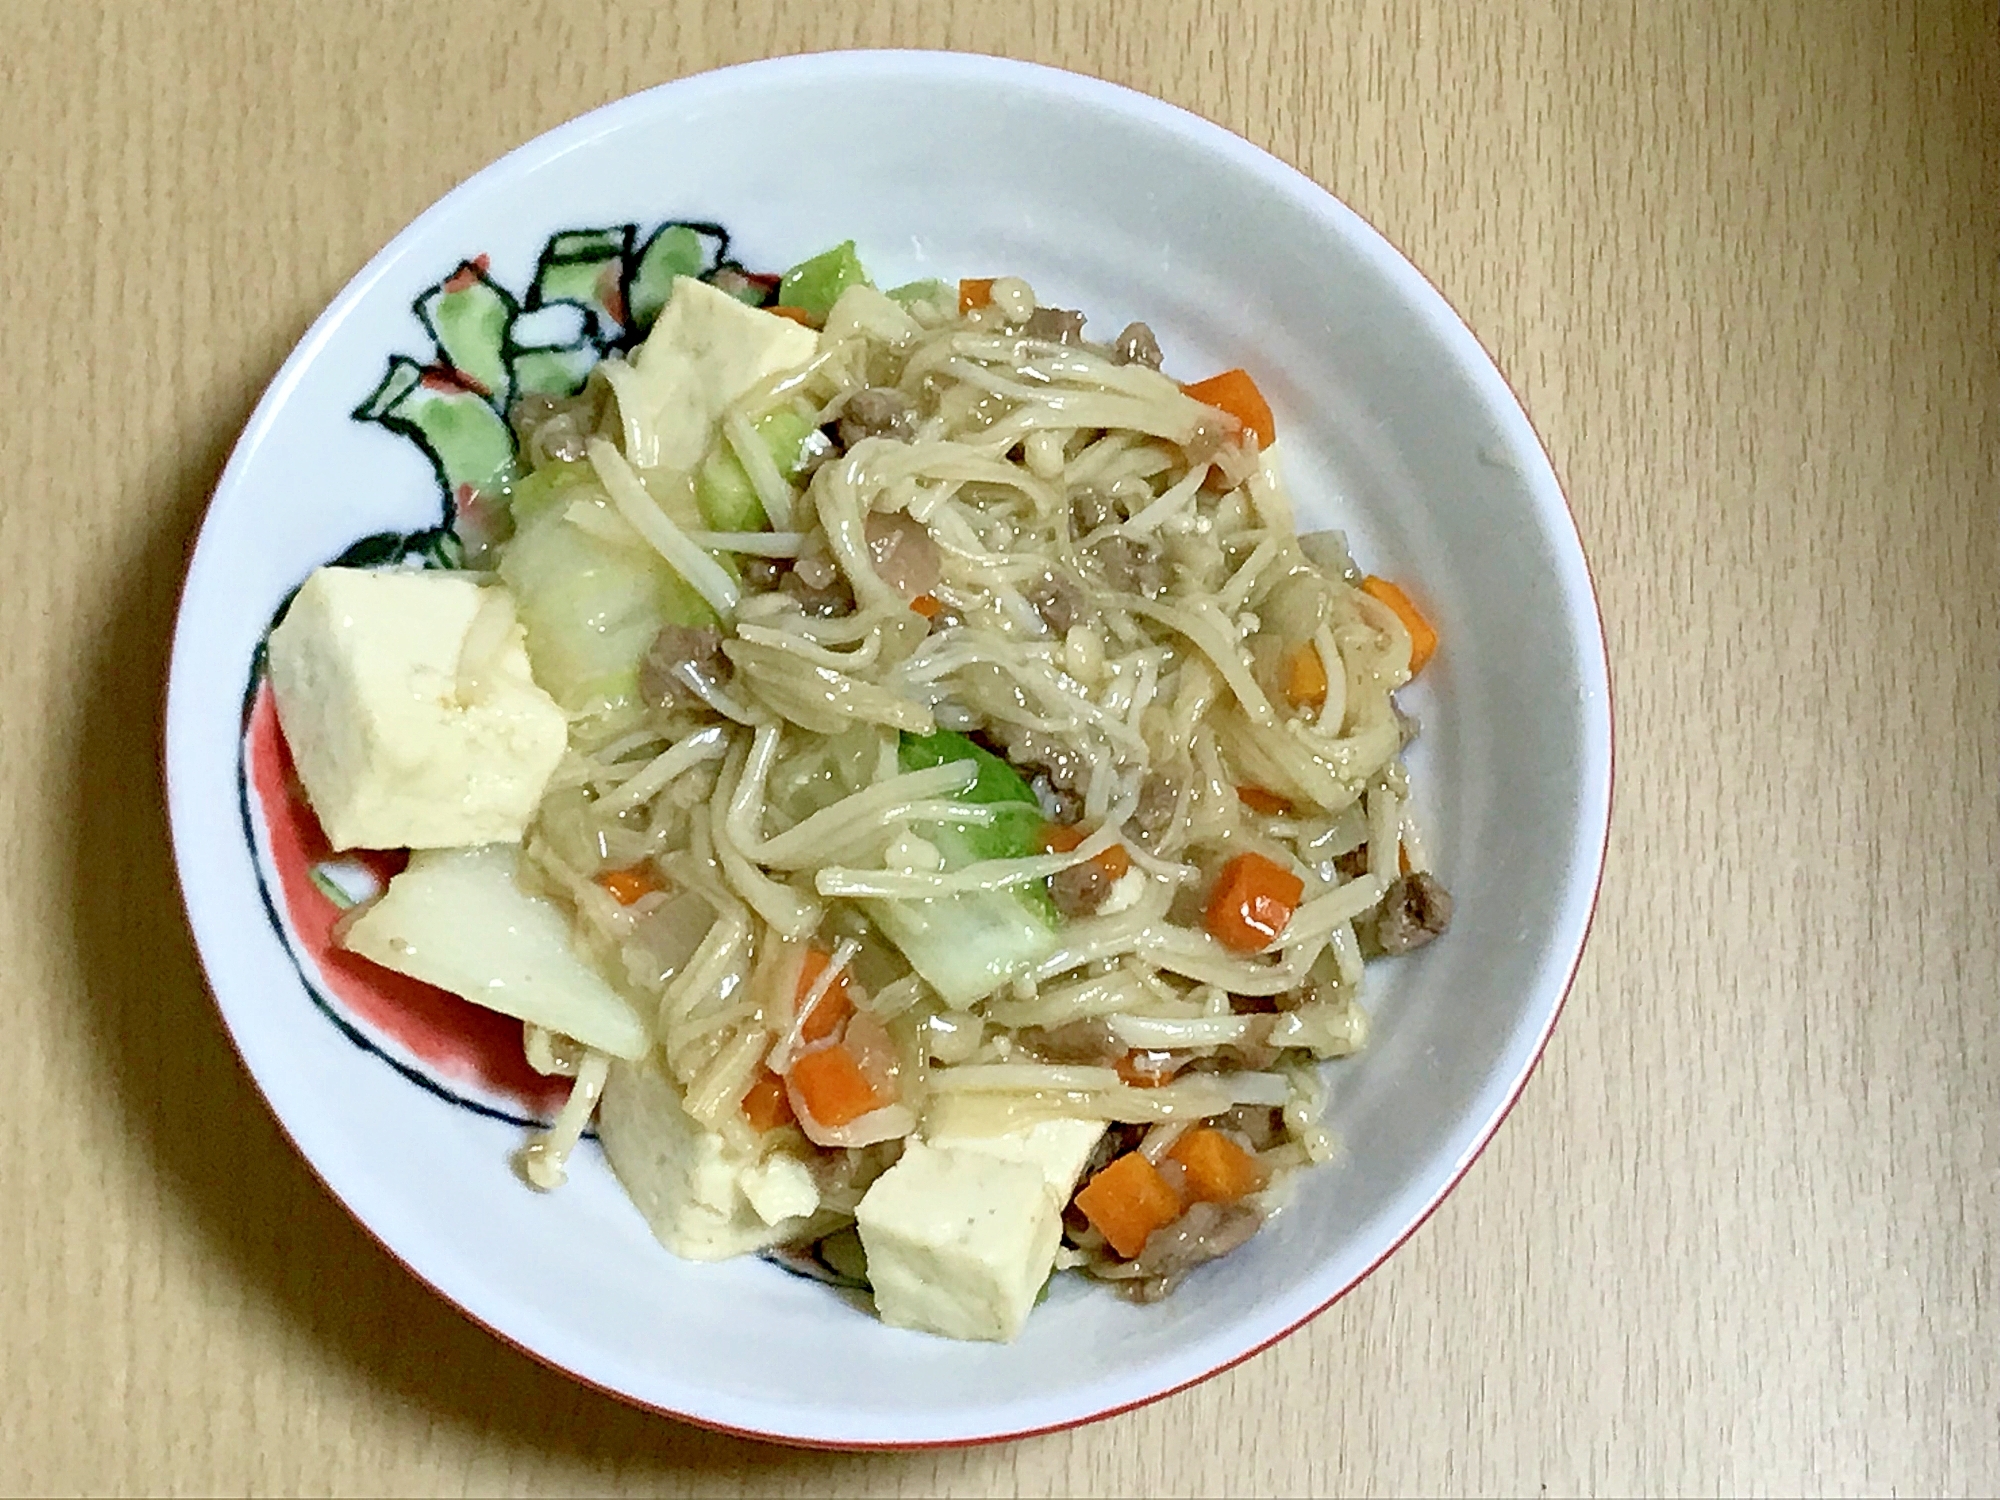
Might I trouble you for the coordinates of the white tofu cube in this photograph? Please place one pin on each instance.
(705, 350)
(397, 746)
(1058, 1148)
(780, 1187)
(704, 1198)
(959, 1241)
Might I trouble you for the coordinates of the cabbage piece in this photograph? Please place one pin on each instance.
(967, 945)
(591, 607)
(814, 285)
(457, 919)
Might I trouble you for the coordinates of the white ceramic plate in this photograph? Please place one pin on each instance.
(1394, 425)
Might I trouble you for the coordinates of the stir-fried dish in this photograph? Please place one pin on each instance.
(897, 755)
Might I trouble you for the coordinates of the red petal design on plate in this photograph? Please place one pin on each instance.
(611, 293)
(451, 381)
(457, 1041)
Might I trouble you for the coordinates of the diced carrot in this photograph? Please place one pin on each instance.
(1218, 1170)
(973, 292)
(1260, 801)
(926, 605)
(628, 886)
(1252, 902)
(1305, 677)
(796, 314)
(1234, 392)
(835, 1006)
(830, 1086)
(1402, 861)
(1147, 1069)
(1127, 1201)
(765, 1104)
(1423, 635)
(1059, 838)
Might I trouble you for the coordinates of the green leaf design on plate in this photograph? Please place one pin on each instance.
(453, 405)
(587, 267)
(466, 440)
(676, 250)
(470, 316)
(555, 370)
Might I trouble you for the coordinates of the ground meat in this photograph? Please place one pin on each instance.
(1159, 799)
(877, 411)
(1137, 346)
(1038, 753)
(1263, 1128)
(680, 657)
(1148, 1068)
(813, 454)
(1059, 325)
(834, 598)
(530, 414)
(1089, 509)
(763, 573)
(1056, 600)
(1059, 804)
(903, 552)
(1353, 864)
(1299, 996)
(1081, 889)
(1209, 437)
(1415, 909)
(556, 429)
(1207, 1231)
(1132, 565)
(1087, 1042)
(1254, 1052)
(819, 587)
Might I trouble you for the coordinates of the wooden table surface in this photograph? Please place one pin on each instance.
(1738, 259)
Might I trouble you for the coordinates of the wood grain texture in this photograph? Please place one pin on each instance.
(1742, 263)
